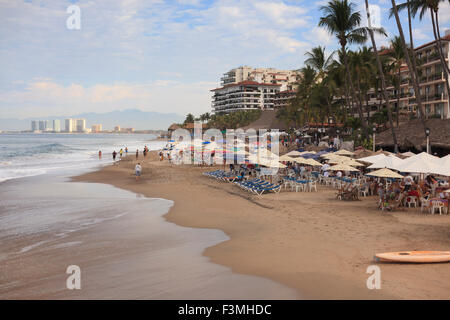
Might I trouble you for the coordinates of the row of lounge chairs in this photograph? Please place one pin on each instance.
(256, 186)
(224, 176)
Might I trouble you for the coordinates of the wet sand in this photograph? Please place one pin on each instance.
(122, 244)
(310, 242)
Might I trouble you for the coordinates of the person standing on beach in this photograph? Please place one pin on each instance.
(126, 150)
(137, 154)
(120, 153)
(100, 154)
(137, 171)
(114, 155)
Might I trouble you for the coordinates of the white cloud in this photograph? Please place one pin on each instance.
(56, 99)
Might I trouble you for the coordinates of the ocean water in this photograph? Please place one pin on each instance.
(25, 155)
(121, 241)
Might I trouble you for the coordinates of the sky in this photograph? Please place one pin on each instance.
(154, 55)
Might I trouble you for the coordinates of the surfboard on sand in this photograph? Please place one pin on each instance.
(414, 256)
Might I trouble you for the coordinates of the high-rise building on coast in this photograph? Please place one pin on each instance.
(56, 125)
(42, 125)
(96, 128)
(244, 96)
(286, 78)
(68, 125)
(75, 125)
(81, 125)
(247, 88)
(34, 125)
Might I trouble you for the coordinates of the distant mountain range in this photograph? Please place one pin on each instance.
(131, 118)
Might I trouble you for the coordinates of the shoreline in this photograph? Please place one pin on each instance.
(290, 238)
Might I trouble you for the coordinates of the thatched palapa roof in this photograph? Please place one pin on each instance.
(411, 134)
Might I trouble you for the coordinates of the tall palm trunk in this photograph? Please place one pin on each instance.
(352, 88)
(411, 41)
(383, 80)
(358, 82)
(412, 69)
(439, 49)
(398, 92)
(439, 40)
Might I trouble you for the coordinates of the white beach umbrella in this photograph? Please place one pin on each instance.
(390, 162)
(408, 154)
(420, 163)
(372, 159)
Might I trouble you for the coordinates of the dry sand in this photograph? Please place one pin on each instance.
(307, 241)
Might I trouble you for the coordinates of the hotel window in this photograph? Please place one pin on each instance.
(439, 109)
(428, 71)
(427, 109)
(439, 88)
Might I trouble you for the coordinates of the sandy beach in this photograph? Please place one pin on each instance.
(310, 242)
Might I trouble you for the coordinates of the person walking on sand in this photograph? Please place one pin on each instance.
(114, 154)
(100, 154)
(120, 153)
(137, 171)
(137, 154)
(126, 150)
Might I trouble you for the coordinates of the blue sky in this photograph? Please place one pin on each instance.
(152, 55)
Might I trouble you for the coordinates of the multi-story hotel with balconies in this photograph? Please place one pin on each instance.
(247, 88)
(244, 95)
(433, 91)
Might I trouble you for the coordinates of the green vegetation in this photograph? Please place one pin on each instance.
(223, 121)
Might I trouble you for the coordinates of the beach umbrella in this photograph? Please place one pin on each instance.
(301, 160)
(420, 163)
(343, 167)
(344, 152)
(293, 154)
(372, 159)
(384, 173)
(390, 162)
(408, 154)
(313, 162)
(352, 162)
(286, 158)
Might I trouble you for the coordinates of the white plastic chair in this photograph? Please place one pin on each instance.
(312, 185)
(424, 203)
(438, 205)
(411, 200)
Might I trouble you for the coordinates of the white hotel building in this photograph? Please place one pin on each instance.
(246, 88)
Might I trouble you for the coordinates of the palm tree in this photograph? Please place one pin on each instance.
(433, 6)
(189, 118)
(343, 21)
(318, 60)
(397, 57)
(412, 70)
(383, 80)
